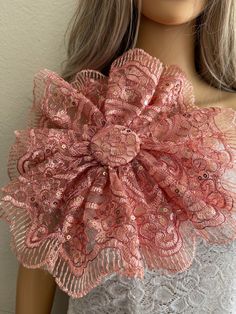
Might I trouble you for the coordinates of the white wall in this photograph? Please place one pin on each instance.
(31, 38)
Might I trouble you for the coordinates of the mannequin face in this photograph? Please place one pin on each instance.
(172, 12)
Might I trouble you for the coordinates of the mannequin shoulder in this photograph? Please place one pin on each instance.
(230, 100)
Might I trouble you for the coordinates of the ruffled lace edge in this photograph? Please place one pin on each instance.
(48, 256)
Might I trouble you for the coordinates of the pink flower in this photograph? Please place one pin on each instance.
(119, 173)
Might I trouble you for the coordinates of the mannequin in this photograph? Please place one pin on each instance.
(172, 24)
(169, 22)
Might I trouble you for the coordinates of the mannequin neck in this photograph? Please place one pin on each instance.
(174, 44)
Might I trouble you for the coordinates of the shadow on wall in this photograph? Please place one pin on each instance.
(60, 304)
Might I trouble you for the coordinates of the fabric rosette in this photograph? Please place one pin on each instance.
(119, 173)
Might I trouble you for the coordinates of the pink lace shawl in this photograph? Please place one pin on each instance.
(119, 173)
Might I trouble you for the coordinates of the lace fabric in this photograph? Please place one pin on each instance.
(119, 174)
(208, 286)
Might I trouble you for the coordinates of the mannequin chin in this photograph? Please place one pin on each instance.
(172, 12)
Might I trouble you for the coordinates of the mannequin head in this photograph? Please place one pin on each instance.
(172, 12)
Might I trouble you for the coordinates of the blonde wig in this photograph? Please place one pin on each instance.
(101, 30)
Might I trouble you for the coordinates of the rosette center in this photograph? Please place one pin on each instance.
(115, 145)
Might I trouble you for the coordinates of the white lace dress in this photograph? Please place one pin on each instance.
(209, 286)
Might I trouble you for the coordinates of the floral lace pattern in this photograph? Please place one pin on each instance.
(119, 174)
(208, 286)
